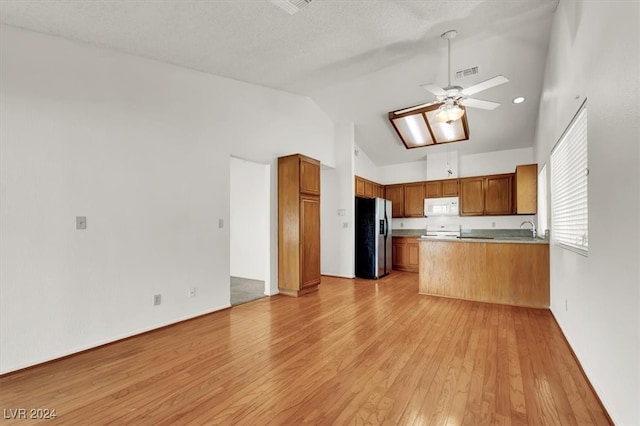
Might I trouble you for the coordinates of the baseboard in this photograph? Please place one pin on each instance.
(338, 276)
(586, 378)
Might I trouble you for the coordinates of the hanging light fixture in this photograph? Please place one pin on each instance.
(449, 112)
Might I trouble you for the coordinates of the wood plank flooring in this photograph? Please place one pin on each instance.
(355, 352)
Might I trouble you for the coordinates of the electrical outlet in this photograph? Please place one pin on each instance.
(192, 292)
(345, 224)
(157, 299)
(220, 223)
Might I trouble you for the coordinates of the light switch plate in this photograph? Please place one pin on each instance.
(81, 222)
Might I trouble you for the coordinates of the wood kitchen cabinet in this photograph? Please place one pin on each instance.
(414, 199)
(368, 189)
(359, 182)
(526, 189)
(395, 193)
(486, 195)
(309, 175)
(450, 188)
(472, 196)
(298, 224)
(497, 195)
(405, 254)
(441, 188)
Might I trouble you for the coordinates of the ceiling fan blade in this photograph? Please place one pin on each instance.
(413, 108)
(435, 89)
(484, 85)
(478, 103)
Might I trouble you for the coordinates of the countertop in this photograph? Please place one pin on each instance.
(477, 236)
(502, 240)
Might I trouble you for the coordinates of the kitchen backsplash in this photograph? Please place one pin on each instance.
(467, 222)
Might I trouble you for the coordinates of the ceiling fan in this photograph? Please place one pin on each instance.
(453, 97)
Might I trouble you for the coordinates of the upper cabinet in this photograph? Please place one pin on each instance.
(526, 193)
(309, 176)
(472, 196)
(497, 195)
(486, 195)
(414, 199)
(368, 189)
(359, 182)
(450, 188)
(395, 193)
(492, 195)
(441, 188)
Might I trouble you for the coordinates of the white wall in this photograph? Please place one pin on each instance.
(435, 166)
(495, 162)
(142, 149)
(249, 219)
(594, 54)
(363, 166)
(337, 208)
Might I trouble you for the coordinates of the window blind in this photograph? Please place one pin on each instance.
(569, 186)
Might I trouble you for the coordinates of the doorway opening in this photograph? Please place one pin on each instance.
(249, 230)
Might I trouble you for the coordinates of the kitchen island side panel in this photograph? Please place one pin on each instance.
(504, 273)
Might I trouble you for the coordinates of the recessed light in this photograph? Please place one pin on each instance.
(518, 100)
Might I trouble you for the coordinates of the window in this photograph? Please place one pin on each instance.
(569, 171)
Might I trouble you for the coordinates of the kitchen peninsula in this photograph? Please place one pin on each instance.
(495, 270)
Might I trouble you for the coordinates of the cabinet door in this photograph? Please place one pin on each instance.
(433, 189)
(414, 199)
(368, 189)
(309, 241)
(526, 189)
(395, 193)
(380, 191)
(471, 197)
(400, 255)
(309, 176)
(498, 195)
(450, 188)
(359, 187)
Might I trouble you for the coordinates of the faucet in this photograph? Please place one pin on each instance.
(533, 227)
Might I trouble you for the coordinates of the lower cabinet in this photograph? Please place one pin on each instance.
(405, 254)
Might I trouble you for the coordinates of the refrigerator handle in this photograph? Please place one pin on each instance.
(386, 224)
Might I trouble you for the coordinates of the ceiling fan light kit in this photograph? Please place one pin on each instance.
(447, 110)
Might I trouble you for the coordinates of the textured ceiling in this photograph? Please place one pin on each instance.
(356, 59)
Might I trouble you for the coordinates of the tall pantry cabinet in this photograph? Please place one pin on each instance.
(298, 224)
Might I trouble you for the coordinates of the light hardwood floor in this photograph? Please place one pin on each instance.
(355, 352)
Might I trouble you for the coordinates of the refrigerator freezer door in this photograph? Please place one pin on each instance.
(366, 231)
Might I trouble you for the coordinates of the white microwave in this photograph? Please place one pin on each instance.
(445, 206)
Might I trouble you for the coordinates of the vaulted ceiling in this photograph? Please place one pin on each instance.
(358, 59)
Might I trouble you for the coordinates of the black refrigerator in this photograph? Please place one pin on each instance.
(373, 237)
